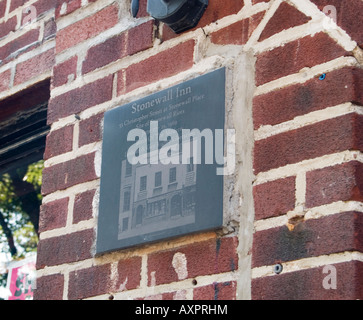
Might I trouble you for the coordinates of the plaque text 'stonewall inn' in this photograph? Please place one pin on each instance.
(192, 149)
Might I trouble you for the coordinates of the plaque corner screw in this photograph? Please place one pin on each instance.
(278, 268)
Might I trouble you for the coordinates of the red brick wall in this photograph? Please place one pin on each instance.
(296, 197)
(27, 32)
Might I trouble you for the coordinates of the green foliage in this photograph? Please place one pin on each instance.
(25, 236)
(8, 201)
(34, 176)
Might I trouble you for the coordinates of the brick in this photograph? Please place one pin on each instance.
(157, 67)
(340, 86)
(285, 17)
(348, 16)
(308, 284)
(140, 38)
(41, 6)
(53, 215)
(217, 10)
(68, 248)
(274, 198)
(89, 282)
(216, 291)
(96, 280)
(142, 9)
(80, 99)
(50, 29)
(58, 142)
(312, 141)
(129, 274)
(71, 6)
(83, 209)
(339, 183)
(5, 80)
(203, 258)
(65, 72)
(49, 287)
(87, 28)
(19, 45)
(311, 238)
(2, 8)
(104, 53)
(294, 56)
(237, 33)
(64, 175)
(90, 130)
(14, 4)
(8, 26)
(34, 67)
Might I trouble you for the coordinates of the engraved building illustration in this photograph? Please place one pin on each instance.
(155, 197)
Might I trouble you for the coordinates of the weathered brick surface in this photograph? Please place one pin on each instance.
(104, 53)
(69, 173)
(217, 10)
(157, 67)
(83, 206)
(68, 248)
(70, 6)
(274, 198)
(8, 26)
(237, 33)
(326, 137)
(58, 142)
(348, 16)
(284, 18)
(203, 258)
(5, 80)
(50, 29)
(292, 57)
(2, 8)
(19, 44)
(90, 130)
(65, 72)
(86, 28)
(216, 291)
(53, 215)
(97, 280)
(77, 100)
(332, 234)
(34, 67)
(49, 287)
(89, 282)
(125, 44)
(308, 284)
(129, 274)
(140, 38)
(339, 183)
(287, 103)
(40, 5)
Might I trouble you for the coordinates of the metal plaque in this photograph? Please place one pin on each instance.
(161, 163)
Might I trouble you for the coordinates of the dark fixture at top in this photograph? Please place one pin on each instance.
(179, 15)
